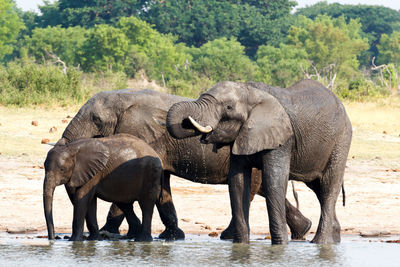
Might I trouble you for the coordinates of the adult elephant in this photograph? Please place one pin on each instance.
(143, 114)
(300, 133)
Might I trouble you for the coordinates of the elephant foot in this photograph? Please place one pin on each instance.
(76, 238)
(324, 239)
(172, 234)
(144, 238)
(299, 232)
(327, 237)
(132, 234)
(227, 234)
(110, 228)
(95, 236)
(107, 235)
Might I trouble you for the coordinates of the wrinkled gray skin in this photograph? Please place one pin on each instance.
(300, 133)
(120, 169)
(143, 114)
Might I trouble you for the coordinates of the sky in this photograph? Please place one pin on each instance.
(394, 4)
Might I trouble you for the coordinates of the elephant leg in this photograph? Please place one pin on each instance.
(298, 224)
(255, 188)
(327, 190)
(276, 168)
(81, 202)
(147, 207)
(115, 217)
(167, 212)
(239, 179)
(91, 220)
(133, 220)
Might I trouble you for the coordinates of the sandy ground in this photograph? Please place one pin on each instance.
(372, 186)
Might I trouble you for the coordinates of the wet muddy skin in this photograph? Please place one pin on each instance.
(202, 250)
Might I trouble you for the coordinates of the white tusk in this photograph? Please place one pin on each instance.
(51, 143)
(202, 129)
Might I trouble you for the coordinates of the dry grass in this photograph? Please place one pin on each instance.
(376, 130)
(18, 135)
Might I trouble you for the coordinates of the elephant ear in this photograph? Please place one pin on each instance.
(267, 127)
(91, 158)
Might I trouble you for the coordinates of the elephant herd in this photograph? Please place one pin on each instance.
(123, 146)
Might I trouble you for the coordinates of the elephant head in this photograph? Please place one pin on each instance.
(98, 116)
(72, 165)
(242, 114)
(139, 113)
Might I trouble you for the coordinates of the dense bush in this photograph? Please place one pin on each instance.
(28, 83)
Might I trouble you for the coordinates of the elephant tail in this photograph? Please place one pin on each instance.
(296, 197)
(344, 195)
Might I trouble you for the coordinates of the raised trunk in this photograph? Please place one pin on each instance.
(178, 124)
(48, 192)
(191, 118)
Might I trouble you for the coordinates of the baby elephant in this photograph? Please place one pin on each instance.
(119, 168)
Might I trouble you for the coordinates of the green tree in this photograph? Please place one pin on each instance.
(223, 59)
(332, 46)
(10, 25)
(105, 49)
(281, 66)
(389, 49)
(87, 13)
(375, 20)
(389, 58)
(51, 42)
(194, 22)
(157, 53)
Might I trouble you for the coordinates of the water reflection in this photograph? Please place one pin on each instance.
(240, 254)
(275, 253)
(194, 251)
(83, 249)
(328, 253)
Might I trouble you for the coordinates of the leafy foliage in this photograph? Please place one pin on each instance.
(85, 13)
(158, 53)
(50, 42)
(104, 49)
(332, 46)
(26, 83)
(223, 59)
(281, 66)
(10, 25)
(375, 21)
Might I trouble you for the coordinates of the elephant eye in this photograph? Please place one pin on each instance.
(96, 119)
(229, 107)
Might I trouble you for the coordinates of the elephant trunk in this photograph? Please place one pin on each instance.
(48, 192)
(77, 129)
(185, 119)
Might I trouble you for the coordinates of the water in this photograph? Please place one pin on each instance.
(195, 251)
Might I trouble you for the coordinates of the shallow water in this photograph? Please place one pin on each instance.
(28, 250)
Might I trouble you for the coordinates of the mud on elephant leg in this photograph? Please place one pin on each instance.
(115, 217)
(166, 209)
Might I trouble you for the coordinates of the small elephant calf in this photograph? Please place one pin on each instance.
(119, 168)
